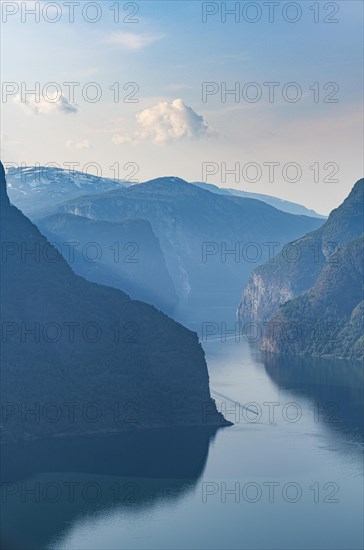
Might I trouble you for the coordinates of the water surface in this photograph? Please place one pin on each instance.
(287, 475)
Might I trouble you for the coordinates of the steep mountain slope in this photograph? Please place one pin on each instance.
(296, 269)
(35, 190)
(78, 357)
(328, 319)
(124, 255)
(209, 241)
(280, 204)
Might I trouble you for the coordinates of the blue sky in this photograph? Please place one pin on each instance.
(168, 129)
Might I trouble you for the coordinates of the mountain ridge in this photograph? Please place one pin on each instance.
(285, 277)
(281, 204)
(316, 288)
(329, 317)
(186, 220)
(34, 179)
(151, 368)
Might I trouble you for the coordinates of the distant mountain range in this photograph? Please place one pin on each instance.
(209, 241)
(189, 243)
(315, 287)
(82, 357)
(285, 206)
(37, 190)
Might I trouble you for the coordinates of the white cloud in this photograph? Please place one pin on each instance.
(44, 106)
(171, 121)
(132, 41)
(119, 139)
(83, 144)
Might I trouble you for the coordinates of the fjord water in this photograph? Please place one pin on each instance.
(287, 478)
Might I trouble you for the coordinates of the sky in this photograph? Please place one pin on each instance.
(266, 98)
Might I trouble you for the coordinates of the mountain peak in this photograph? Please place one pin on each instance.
(356, 193)
(4, 199)
(358, 189)
(166, 180)
(350, 212)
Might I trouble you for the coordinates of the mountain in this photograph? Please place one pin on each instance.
(285, 206)
(79, 358)
(35, 190)
(209, 241)
(296, 269)
(124, 255)
(328, 319)
(313, 303)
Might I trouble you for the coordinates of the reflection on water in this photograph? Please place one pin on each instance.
(335, 389)
(145, 490)
(48, 485)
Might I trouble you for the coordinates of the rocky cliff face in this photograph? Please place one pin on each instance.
(328, 319)
(296, 269)
(308, 299)
(262, 296)
(80, 358)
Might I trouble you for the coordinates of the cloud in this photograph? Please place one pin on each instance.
(53, 104)
(132, 41)
(84, 144)
(119, 139)
(170, 122)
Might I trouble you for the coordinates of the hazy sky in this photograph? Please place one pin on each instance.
(151, 68)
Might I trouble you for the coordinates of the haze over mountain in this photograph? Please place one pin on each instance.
(36, 190)
(206, 243)
(281, 204)
(209, 241)
(124, 255)
(68, 344)
(324, 270)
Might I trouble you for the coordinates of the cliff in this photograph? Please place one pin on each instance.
(296, 269)
(309, 298)
(328, 319)
(125, 255)
(79, 357)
